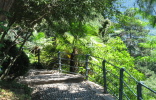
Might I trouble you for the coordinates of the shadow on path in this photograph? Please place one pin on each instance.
(73, 91)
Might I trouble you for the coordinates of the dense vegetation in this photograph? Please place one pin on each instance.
(95, 27)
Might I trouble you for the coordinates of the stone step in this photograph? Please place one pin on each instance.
(51, 78)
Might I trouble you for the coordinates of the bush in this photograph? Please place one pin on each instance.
(20, 66)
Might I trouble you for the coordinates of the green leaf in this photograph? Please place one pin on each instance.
(1, 45)
(38, 36)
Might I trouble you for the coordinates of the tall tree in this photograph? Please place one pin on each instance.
(133, 31)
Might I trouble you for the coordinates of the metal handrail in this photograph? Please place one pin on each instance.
(131, 76)
(148, 88)
(130, 89)
(95, 65)
(121, 71)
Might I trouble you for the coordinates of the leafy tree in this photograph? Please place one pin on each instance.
(147, 9)
(70, 42)
(47, 11)
(132, 32)
(115, 52)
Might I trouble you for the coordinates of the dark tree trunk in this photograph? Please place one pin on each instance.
(73, 60)
(5, 6)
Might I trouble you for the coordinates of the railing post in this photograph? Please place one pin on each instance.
(39, 56)
(87, 62)
(104, 76)
(139, 91)
(121, 84)
(59, 61)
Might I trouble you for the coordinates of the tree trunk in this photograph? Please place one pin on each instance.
(5, 6)
(73, 60)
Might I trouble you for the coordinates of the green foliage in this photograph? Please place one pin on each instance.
(114, 51)
(147, 10)
(75, 37)
(56, 17)
(146, 64)
(66, 24)
(1, 45)
(38, 36)
(147, 59)
(37, 39)
(132, 31)
(36, 42)
(61, 12)
(150, 82)
(3, 27)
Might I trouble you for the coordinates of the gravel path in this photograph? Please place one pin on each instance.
(51, 85)
(68, 91)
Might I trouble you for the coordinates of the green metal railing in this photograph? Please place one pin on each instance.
(115, 80)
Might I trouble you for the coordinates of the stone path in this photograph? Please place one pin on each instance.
(51, 85)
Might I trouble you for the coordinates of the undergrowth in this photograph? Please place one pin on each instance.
(14, 91)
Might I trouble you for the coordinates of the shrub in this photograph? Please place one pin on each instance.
(20, 66)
